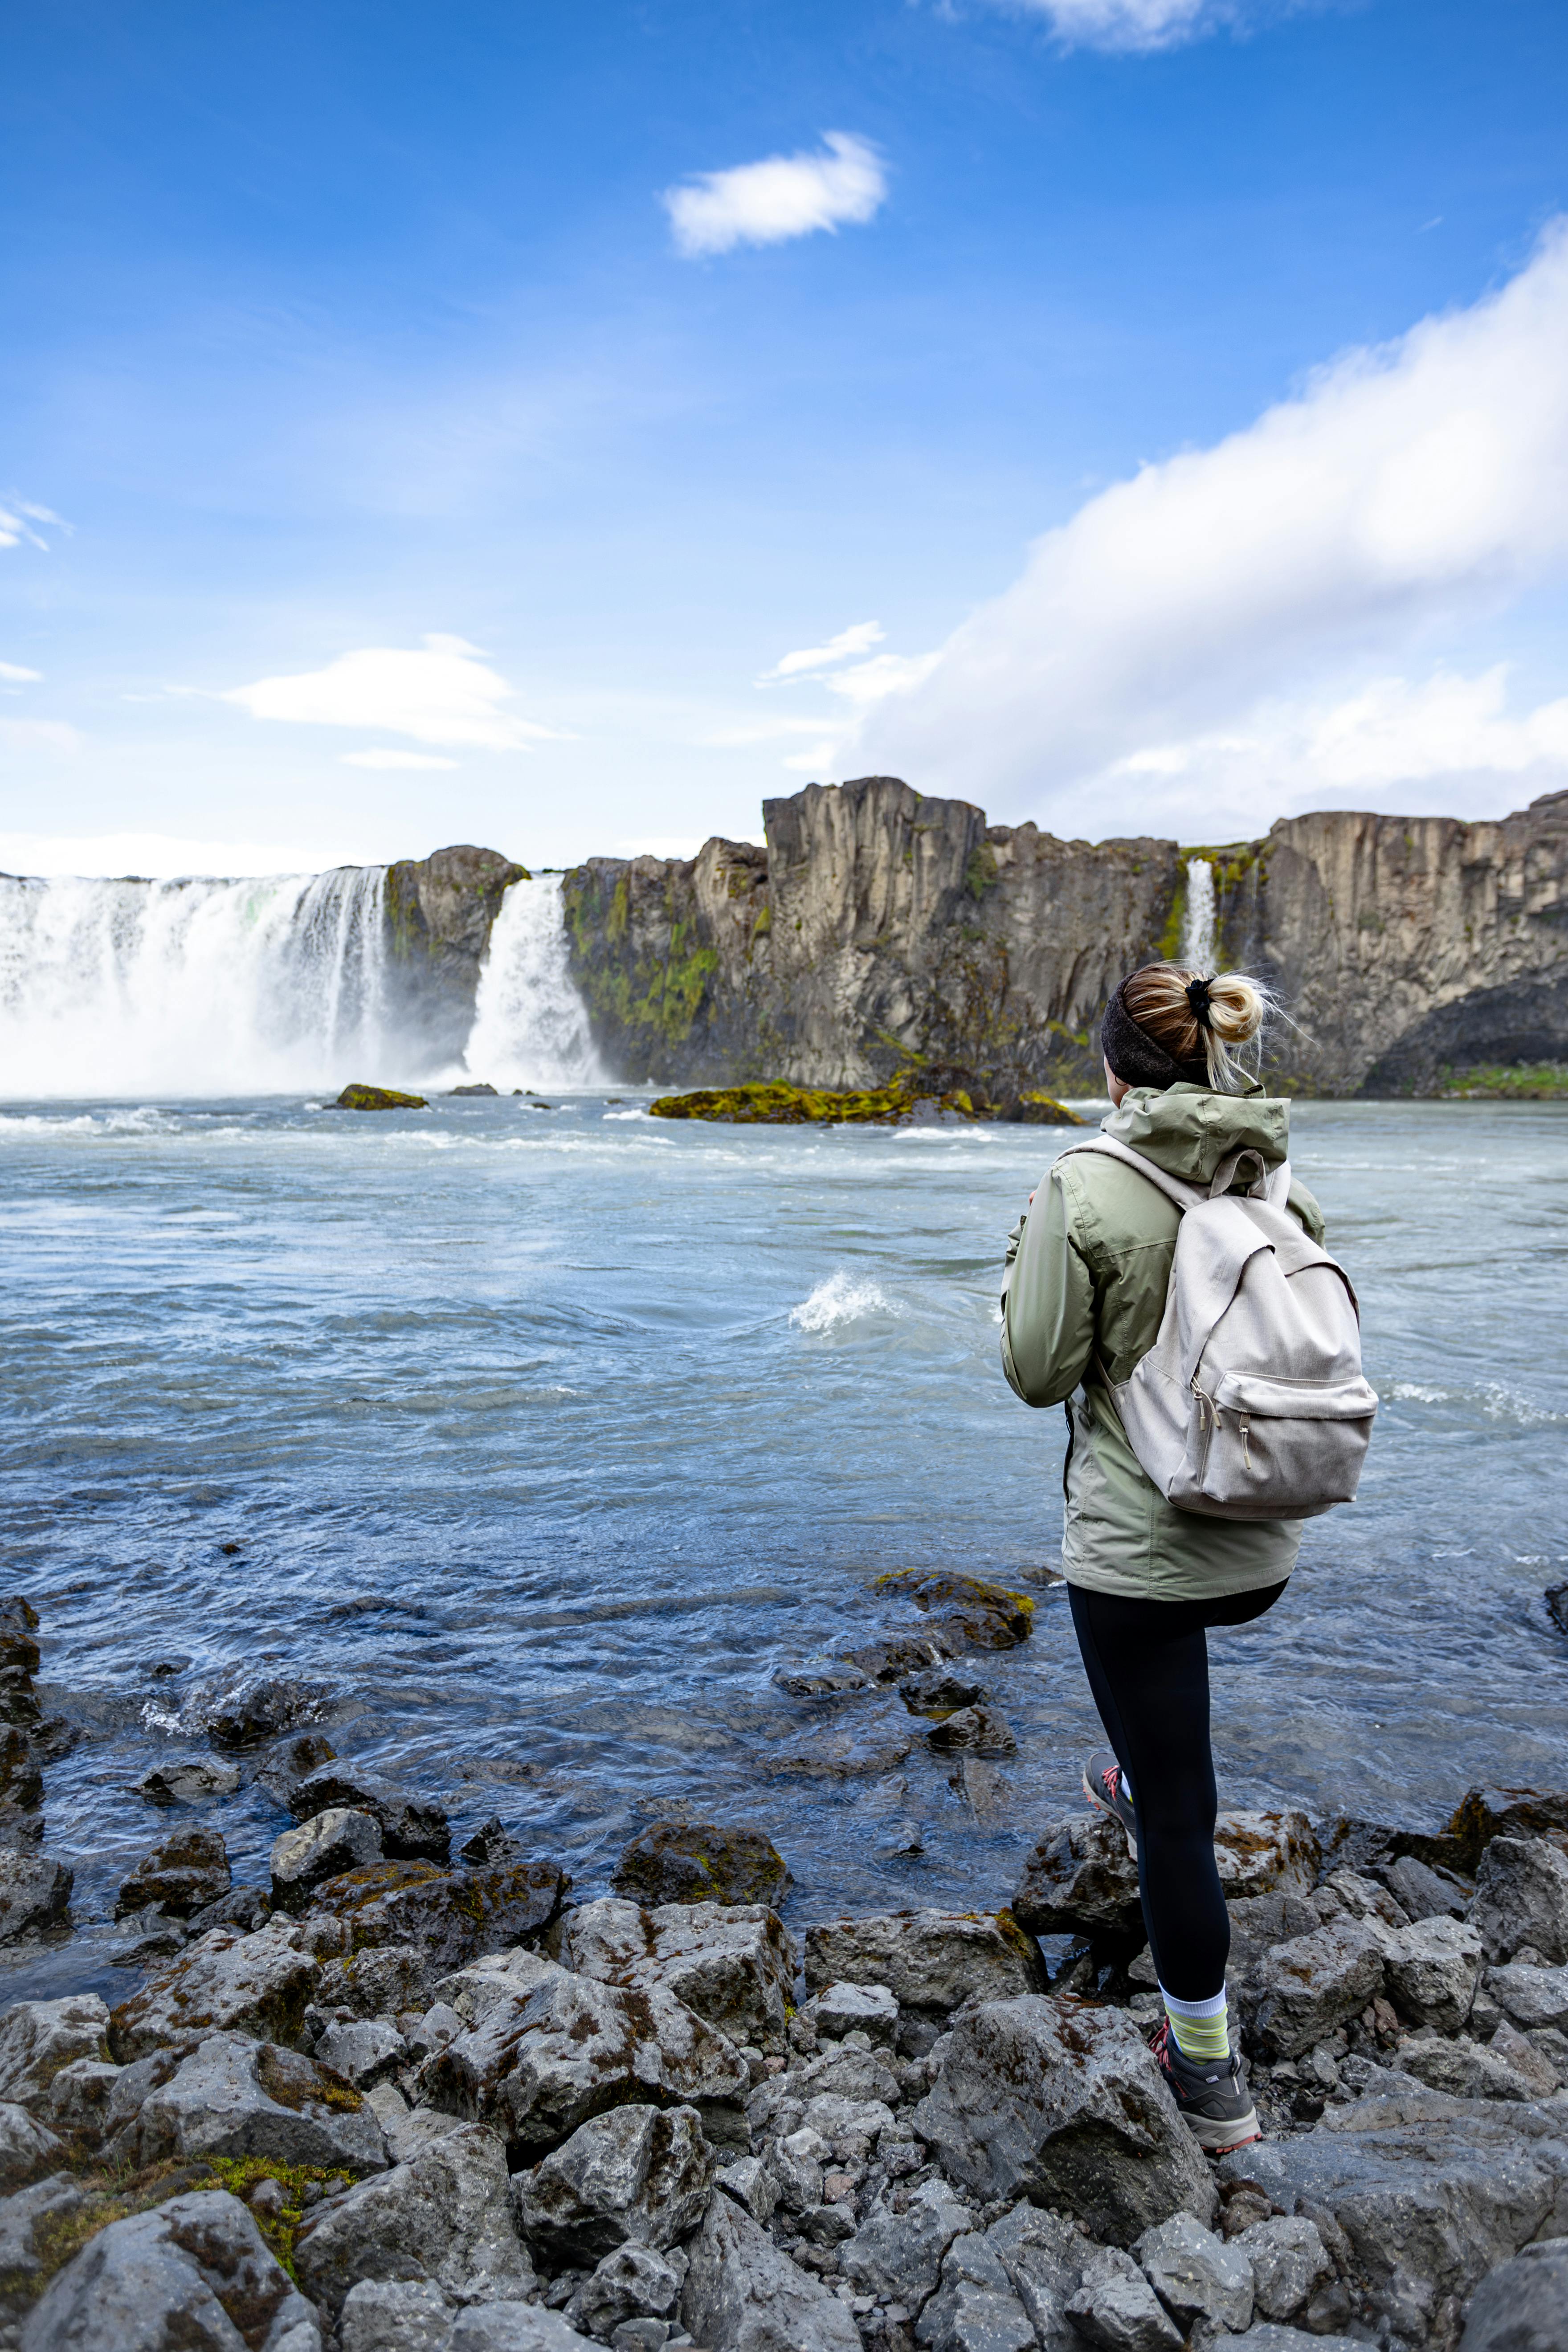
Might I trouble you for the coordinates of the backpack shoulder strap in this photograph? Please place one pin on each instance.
(1185, 1196)
(1273, 1186)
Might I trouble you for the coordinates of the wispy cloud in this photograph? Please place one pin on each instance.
(858, 639)
(441, 694)
(14, 674)
(395, 760)
(21, 522)
(781, 197)
(1122, 24)
(51, 736)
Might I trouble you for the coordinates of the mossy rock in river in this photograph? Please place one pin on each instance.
(680, 1862)
(913, 1092)
(357, 1096)
(989, 1616)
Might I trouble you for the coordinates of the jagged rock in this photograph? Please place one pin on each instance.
(741, 2294)
(407, 2131)
(28, 2149)
(1067, 2108)
(899, 2255)
(929, 1960)
(513, 2327)
(395, 2315)
(638, 2172)
(329, 1845)
(857, 2009)
(293, 1761)
(1521, 1897)
(1265, 1854)
(30, 2224)
(241, 1710)
(1044, 2256)
(733, 1964)
(1288, 2260)
(975, 2308)
(1539, 2059)
(413, 1829)
(194, 2271)
(1268, 2337)
(39, 2037)
(186, 1780)
(841, 2072)
(1432, 1969)
(679, 1862)
(1259, 1922)
(445, 2216)
(186, 1872)
(244, 1907)
(491, 1845)
(1116, 2307)
(1306, 1987)
(750, 2184)
(1423, 1892)
(234, 2097)
(364, 2050)
(941, 1689)
(453, 1916)
(1345, 1894)
(382, 1981)
(1080, 1880)
(830, 1678)
(1522, 2306)
(907, 1654)
(226, 1983)
(795, 2162)
(978, 1728)
(1483, 1814)
(79, 2095)
(35, 1892)
(1531, 1996)
(541, 2061)
(631, 2283)
(1469, 2070)
(1197, 2275)
(850, 2126)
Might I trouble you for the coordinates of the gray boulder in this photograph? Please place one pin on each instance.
(186, 1780)
(750, 2184)
(35, 1892)
(1258, 1922)
(974, 2309)
(1116, 2307)
(929, 1960)
(514, 2327)
(445, 2216)
(234, 2097)
(1307, 1987)
(39, 2037)
(795, 2162)
(194, 2271)
(184, 1874)
(411, 1827)
(1196, 2274)
(742, 2295)
(1524, 2305)
(844, 2009)
(79, 2095)
(1265, 1854)
(327, 1845)
(1079, 1880)
(1533, 1998)
(1268, 2337)
(28, 2149)
(226, 1983)
(1472, 2070)
(1421, 1892)
(395, 2315)
(30, 2220)
(381, 1982)
(899, 2255)
(1521, 1897)
(1044, 2256)
(364, 2050)
(638, 2172)
(1290, 2261)
(732, 1964)
(1432, 1971)
(1067, 2108)
(631, 2283)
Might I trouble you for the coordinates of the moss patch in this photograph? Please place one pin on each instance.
(780, 1104)
(357, 1096)
(1506, 1082)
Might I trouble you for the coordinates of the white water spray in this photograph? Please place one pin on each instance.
(530, 1028)
(1198, 924)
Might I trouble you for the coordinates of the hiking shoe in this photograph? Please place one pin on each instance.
(1102, 1786)
(1210, 2093)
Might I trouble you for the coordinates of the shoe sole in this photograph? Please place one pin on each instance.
(1111, 1813)
(1217, 2139)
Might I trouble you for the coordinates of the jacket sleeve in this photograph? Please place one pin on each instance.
(1304, 1208)
(1048, 1302)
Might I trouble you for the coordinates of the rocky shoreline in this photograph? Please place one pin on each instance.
(399, 2098)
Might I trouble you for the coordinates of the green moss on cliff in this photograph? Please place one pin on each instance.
(1506, 1082)
(778, 1104)
(657, 998)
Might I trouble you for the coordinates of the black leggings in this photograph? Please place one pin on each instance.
(1148, 1666)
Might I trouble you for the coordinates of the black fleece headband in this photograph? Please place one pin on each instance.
(1135, 1056)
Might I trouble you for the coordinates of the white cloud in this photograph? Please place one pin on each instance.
(395, 760)
(858, 639)
(13, 675)
(781, 197)
(818, 761)
(1405, 488)
(442, 695)
(49, 735)
(18, 521)
(885, 674)
(1132, 24)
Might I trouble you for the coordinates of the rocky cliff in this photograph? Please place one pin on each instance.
(877, 925)
(440, 911)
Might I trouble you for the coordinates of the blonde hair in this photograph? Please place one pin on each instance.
(1156, 997)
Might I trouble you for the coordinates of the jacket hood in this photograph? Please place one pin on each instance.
(1187, 1130)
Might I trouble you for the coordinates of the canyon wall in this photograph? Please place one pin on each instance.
(877, 925)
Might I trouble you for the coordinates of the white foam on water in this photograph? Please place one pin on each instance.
(530, 1026)
(844, 1298)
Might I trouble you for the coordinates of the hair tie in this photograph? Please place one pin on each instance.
(1199, 999)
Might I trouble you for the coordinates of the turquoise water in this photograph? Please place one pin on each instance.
(548, 1438)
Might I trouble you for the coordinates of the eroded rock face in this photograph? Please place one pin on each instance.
(445, 2216)
(870, 2009)
(928, 1960)
(1265, 1854)
(454, 1917)
(1044, 2256)
(1524, 2305)
(638, 2173)
(975, 2308)
(35, 1892)
(39, 2037)
(1116, 2309)
(1079, 1880)
(1288, 2261)
(188, 1871)
(226, 1983)
(742, 2295)
(325, 1847)
(28, 2149)
(1197, 2275)
(395, 2315)
(899, 2255)
(234, 2096)
(1531, 1996)
(677, 1862)
(194, 2271)
(1521, 1897)
(1305, 1987)
(1067, 2107)
(1432, 1969)
(632, 2283)
(732, 1964)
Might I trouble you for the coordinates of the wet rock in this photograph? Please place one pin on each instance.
(941, 1689)
(1305, 1988)
(445, 2216)
(975, 2308)
(491, 1845)
(678, 1862)
(844, 2009)
(899, 2255)
(1288, 2261)
(383, 1981)
(358, 1095)
(193, 2272)
(1531, 1997)
(226, 1983)
(28, 2149)
(187, 1779)
(989, 1616)
(235, 2097)
(39, 2037)
(328, 1845)
(241, 1711)
(906, 1654)
(631, 2283)
(293, 1761)
(750, 2184)
(186, 1872)
(1521, 1897)
(413, 1829)
(1522, 2306)
(981, 1729)
(929, 1960)
(79, 2095)
(732, 1964)
(1469, 2070)
(1067, 2108)
(742, 2295)
(1432, 1969)
(831, 1678)
(1197, 2275)
(453, 1916)
(638, 2172)
(1044, 2256)
(1485, 1813)
(395, 2315)
(1423, 1892)
(1116, 2307)
(364, 2052)
(1080, 1880)
(34, 1891)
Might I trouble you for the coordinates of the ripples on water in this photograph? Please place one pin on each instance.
(547, 1437)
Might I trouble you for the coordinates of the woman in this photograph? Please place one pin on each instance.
(1089, 1268)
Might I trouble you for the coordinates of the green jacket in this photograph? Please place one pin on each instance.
(1088, 1270)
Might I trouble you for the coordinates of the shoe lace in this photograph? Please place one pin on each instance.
(1110, 1781)
(1160, 2041)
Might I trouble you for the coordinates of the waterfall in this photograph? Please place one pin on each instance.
(195, 987)
(530, 1028)
(1198, 924)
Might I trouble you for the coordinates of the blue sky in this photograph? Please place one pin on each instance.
(422, 426)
